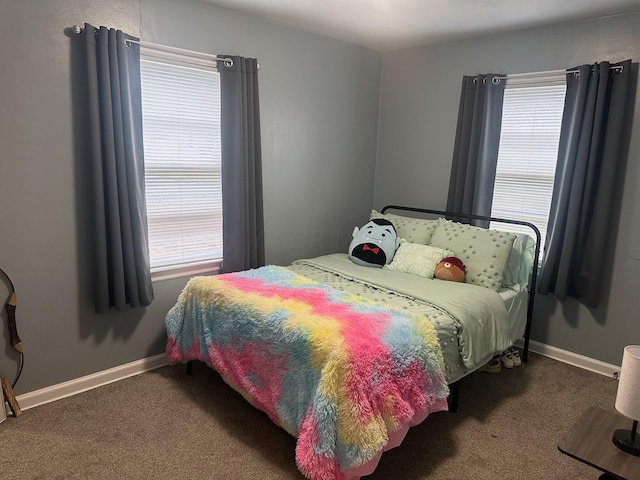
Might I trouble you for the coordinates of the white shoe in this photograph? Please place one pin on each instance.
(515, 356)
(506, 359)
(492, 366)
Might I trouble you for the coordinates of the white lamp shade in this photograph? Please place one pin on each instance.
(628, 397)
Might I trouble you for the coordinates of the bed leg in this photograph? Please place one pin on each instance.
(454, 396)
(190, 367)
(525, 350)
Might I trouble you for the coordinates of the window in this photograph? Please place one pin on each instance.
(531, 121)
(181, 120)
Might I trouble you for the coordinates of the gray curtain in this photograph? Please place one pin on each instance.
(242, 221)
(475, 152)
(122, 276)
(589, 157)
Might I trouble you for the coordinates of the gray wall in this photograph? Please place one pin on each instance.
(419, 106)
(319, 100)
(319, 113)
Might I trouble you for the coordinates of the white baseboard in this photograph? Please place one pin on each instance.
(574, 359)
(82, 384)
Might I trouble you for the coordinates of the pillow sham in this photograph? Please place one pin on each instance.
(417, 259)
(414, 230)
(520, 262)
(484, 252)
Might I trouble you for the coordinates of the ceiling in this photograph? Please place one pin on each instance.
(394, 24)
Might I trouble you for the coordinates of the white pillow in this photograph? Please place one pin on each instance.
(417, 259)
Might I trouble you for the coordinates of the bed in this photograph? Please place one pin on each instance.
(346, 357)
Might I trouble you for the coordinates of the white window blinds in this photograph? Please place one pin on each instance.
(181, 121)
(531, 120)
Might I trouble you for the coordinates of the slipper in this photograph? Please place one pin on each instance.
(506, 359)
(515, 356)
(493, 366)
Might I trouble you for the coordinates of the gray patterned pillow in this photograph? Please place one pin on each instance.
(484, 252)
(414, 230)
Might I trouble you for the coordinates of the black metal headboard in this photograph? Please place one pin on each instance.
(534, 271)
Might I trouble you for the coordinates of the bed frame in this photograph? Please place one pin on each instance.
(531, 287)
(455, 386)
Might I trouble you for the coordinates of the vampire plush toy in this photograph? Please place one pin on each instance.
(374, 244)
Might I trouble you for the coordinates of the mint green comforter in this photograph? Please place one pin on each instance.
(471, 321)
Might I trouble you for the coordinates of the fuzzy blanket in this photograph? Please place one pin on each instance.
(341, 373)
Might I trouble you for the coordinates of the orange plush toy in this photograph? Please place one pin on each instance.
(450, 268)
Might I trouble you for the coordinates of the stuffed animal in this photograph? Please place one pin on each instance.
(374, 244)
(450, 268)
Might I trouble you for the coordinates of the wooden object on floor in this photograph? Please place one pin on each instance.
(3, 410)
(590, 441)
(10, 398)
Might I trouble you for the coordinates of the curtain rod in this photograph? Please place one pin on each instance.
(547, 73)
(228, 62)
(619, 68)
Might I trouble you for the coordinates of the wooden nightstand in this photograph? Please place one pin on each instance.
(589, 441)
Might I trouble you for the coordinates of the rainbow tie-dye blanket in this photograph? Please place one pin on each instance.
(339, 372)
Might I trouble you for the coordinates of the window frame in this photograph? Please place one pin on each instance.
(553, 80)
(199, 267)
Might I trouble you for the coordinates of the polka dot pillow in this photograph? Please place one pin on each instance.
(484, 252)
(414, 230)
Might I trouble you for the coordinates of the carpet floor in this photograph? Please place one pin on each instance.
(164, 424)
